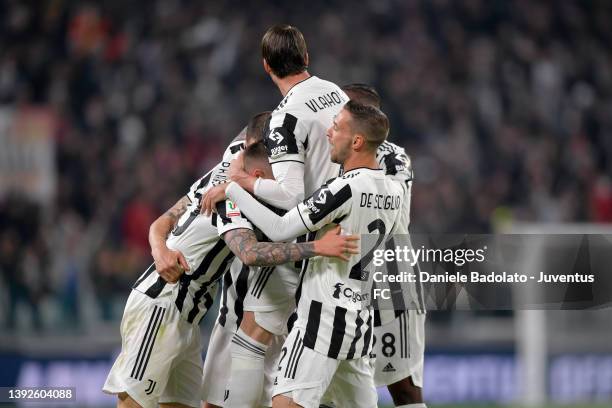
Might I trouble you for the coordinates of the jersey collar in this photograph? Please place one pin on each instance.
(298, 83)
(361, 168)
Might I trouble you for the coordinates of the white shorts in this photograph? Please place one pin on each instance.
(271, 296)
(399, 348)
(218, 362)
(160, 359)
(308, 377)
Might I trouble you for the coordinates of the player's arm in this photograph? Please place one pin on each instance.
(285, 192)
(244, 245)
(285, 145)
(170, 264)
(324, 206)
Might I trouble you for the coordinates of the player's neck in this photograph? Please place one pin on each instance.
(359, 161)
(288, 82)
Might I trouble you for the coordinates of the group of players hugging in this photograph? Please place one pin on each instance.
(275, 228)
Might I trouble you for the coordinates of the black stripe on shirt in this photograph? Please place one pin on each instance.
(312, 327)
(281, 140)
(155, 289)
(186, 279)
(204, 288)
(338, 331)
(145, 275)
(323, 202)
(298, 292)
(236, 148)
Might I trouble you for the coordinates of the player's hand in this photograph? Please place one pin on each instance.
(239, 175)
(236, 168)
(333, 244)
(211, 198)
(170, 264)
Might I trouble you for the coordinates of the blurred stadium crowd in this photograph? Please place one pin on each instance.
(505, 107)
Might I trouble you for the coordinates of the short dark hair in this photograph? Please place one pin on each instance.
(257, 127)
(284, 49)
(362, 93)
(256, 152)
(369, 121)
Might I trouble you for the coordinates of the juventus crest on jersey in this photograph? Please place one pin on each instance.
(198, 237)
(298, 129)
(330, 308)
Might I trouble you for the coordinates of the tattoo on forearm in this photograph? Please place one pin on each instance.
(243, 243)
(178, 209)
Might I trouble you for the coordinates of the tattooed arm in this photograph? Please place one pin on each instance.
(169, 264)
(244, 244)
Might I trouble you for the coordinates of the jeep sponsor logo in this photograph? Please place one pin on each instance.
(349, 293)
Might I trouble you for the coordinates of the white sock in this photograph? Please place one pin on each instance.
(247, 374)
(419, 405)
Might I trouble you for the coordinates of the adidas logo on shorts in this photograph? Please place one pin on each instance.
(388, 368)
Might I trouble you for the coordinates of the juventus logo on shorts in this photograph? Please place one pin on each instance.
(151, 387)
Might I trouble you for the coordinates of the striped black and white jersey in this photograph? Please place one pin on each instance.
(297, 134)
(398, 166)
(198, 238)
(331, 307)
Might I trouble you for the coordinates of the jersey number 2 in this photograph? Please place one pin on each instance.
(356, 271)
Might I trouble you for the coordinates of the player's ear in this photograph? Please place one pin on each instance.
(358, 141)
(266, 66)
(307, 60)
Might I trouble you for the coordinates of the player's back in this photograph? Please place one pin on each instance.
(298, 129)
(197, 237)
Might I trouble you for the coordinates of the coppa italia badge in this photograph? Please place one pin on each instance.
(231, 209)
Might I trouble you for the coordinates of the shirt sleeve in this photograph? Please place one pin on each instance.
(287, 190)
(396, 163)
(330, 203)
(286, 139)
(286, 146)
(230, 217)
(275, 227)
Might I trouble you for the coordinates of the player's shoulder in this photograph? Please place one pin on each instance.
(388, 147)
(356, 175)
(235, 147)
(394, 160)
